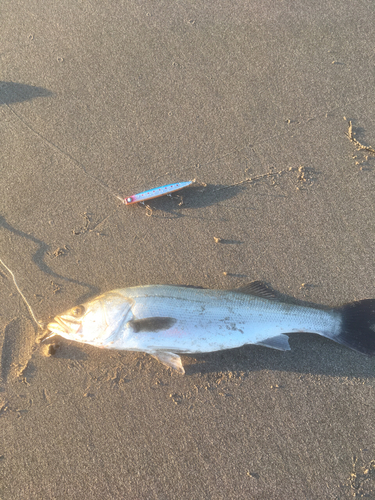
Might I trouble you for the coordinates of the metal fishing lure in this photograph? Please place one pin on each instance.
(156, 192)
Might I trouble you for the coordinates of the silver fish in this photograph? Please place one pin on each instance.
(165, 321)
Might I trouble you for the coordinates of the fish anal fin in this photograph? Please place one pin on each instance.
(279, 342)
(258, 288)
(169, 359)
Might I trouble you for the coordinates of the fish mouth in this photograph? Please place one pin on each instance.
(64, 325)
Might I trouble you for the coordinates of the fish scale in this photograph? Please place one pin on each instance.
(210, 320)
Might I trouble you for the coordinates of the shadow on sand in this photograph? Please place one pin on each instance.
(11, 92)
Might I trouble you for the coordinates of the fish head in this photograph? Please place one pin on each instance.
(95, 321)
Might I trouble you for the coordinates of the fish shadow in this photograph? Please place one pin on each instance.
(12, 92)
(309, 354)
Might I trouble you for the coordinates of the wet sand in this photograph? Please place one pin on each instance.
(253, 99)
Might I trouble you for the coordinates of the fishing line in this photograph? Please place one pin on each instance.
(22, 295)
(62, 151)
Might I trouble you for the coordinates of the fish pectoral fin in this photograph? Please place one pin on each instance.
(169, 359)
(154, 324)
(280, 342)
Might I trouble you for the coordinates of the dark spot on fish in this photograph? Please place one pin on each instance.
(155, 324)
(232, 327)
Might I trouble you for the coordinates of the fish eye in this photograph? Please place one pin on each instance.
(78, 311)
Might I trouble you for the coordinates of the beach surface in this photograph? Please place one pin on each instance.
(270, 107)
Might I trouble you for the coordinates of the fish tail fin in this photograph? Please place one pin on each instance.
(358, 326)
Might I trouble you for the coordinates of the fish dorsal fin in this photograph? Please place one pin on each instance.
(279, 342)
(257, 288)
(169, 359)
(190, 286)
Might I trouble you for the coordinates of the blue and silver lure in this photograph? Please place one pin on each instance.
(156, 192)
